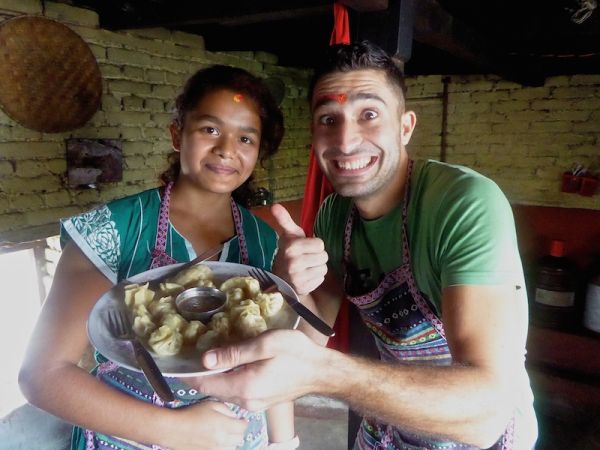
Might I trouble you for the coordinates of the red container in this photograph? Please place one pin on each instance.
(589, 186)
(571, 183)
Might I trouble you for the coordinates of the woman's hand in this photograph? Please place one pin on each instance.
(204, 426)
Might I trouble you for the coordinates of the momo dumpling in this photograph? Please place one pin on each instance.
(270, 303)
(163, 306)
(248, 325)
(130, 289)
(234, 297)
(205, 283)
(248, 284)
(248, 306)
(141, 310)
(174, 321)
(191, 332)
(208, 340)
(143, 325)
(220, 324)
(136, 294)
(165, 341)
(171, 288)
(192, 275)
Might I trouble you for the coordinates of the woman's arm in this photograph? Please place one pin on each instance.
(51, 379)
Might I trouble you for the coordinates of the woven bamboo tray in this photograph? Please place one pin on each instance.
(49, 78)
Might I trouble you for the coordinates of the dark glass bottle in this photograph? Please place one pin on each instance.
(554, 298)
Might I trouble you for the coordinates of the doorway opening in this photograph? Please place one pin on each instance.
(23, 290)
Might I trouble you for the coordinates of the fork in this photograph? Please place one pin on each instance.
(119, 325)
(268, 284)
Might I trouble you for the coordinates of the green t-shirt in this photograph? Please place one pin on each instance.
(460, 231)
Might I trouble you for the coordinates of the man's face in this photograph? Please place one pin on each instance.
(359, 131)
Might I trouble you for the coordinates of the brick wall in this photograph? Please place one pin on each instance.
(522, 137)
(142, 72)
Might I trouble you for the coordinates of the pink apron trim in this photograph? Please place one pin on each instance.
(160, 258)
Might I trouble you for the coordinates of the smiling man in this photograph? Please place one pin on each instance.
(428, 254)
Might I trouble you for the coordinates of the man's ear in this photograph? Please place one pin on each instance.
(175, 136)
(407, 126)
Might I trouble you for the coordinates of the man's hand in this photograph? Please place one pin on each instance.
(301, 261)
(276, 366)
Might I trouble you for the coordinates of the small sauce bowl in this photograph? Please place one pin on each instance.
(200, 303)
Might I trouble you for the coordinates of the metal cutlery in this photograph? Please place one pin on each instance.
(268, 284)
(119, 325)
(155, 282)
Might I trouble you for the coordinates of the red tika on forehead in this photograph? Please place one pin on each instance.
(238, 98)
(339, 98)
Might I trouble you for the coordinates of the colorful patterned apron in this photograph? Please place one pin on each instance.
(406, 331)
(135, 384)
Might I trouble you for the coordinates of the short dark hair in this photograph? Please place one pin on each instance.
(218, 77)
(358, 56)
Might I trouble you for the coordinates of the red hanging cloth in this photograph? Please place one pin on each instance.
(318, 187)
(341, 25)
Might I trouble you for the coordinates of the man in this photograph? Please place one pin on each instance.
(427, 252)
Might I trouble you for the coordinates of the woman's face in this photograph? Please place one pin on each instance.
(219, 142)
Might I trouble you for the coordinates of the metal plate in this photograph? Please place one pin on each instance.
(185, 364)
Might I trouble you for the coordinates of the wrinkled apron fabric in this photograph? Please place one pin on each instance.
(135, 384)
(406, 331)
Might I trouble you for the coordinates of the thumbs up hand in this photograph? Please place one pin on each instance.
(300, 260)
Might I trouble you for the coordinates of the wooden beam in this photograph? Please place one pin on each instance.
(435, 27)
(366, 5)
(249, 19)
(167, 14)
(391, 29)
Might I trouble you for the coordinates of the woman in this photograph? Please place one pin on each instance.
(225, 120)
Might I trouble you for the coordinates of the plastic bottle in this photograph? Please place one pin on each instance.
(554, 299)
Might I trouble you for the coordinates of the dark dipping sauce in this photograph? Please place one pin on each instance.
(200, 303)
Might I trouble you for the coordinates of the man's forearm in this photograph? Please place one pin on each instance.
(461, 403)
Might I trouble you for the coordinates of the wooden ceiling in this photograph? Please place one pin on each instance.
(521, 40)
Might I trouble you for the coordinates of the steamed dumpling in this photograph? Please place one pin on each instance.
(248, 284)
(165, 341)
(171, 289)
(205, 283)
(208, 340)
(141, 310)
(248, 325)
(136, 294)
(248, 306)
(270, 303)
(174, 321)
(220, 324)
(234, 297)
(143, 325)
(163, 306)
(191, 332)
(192, 275)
